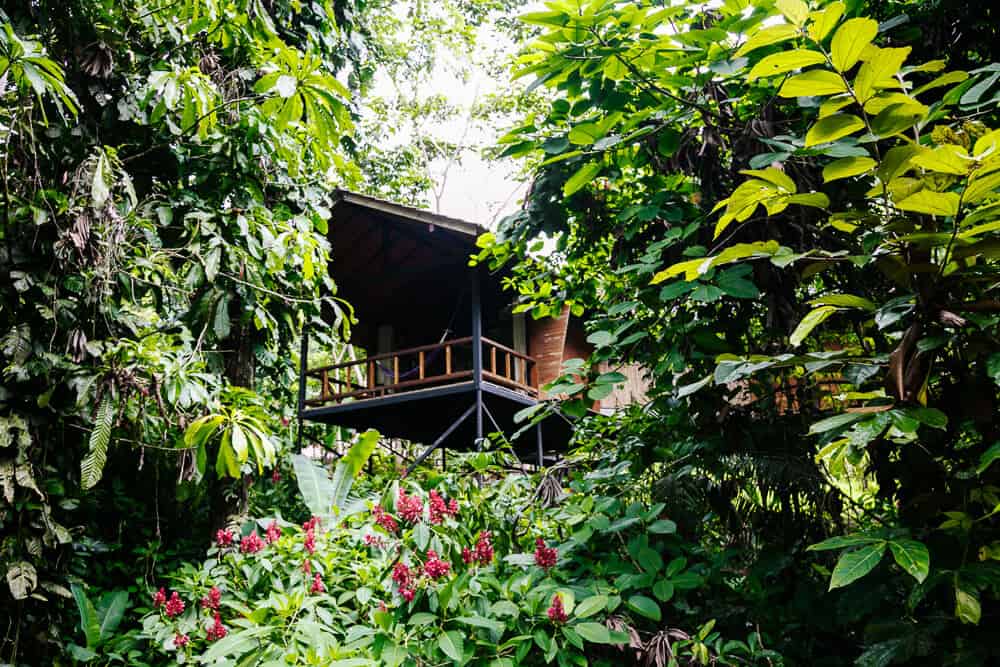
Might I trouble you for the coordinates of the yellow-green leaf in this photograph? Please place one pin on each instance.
(832, 128)
(931, 203)
(988, 142)
(967, 607)
(944, 80)
(767, 36)
(773, 176)
(823, 22)
(896, 118)
(813, 318)
(814, 82)
(584, 175)
(945, 159)
(795, 11)
(847, 167)
(850, 40)
(834, 104)
(980, 188)
(786, 61)
(879, 72)
(855, 564)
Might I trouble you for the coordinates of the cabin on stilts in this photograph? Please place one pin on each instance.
(444, 362)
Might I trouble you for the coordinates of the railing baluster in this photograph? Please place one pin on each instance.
(447, 359)
(324, 390)
(420, 363)
(395, 370)
(507, 364)
(371, 374)
(493, 360)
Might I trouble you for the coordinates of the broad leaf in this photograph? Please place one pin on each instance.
(314, 484)
(855, 564)
(847, 167)
(912, 556)
(644, 606)
(832, 128)
(812, 319)
(786, 61)
(931, 203)
(815, 82)
(850, 41)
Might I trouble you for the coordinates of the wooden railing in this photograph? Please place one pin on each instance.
(419, 367)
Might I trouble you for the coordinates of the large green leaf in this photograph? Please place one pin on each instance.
(855, 564)
(814, 82)
(644, 606)
(931, 203)
(596, 633)
(768, 36)
(847, 167)
(832, 128)
(582, 177)
(850, 41)
(452, 644)
(813, 319)
(912, 556)
(90, 623)
(314, 484)
(785, 61)
(350, 465)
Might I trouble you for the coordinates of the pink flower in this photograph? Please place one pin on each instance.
(159, 597)
(217, 629)
(310, 542)
(545, 557)
(439, 509)
(174, 606)
(273, 532)
(484, 548)
(317, 585)
(223, 538)
(556, 612)
(311, 524)
(382, 606)
(467, 555)
(374, 541)
(411, 508)
(212, 600)
(435, 567)
(251, 544)
(307, 566)
(407, 594)
(181, 640)
(402, 575)
(275, 476)
(384, 519)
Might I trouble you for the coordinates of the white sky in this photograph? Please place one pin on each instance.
(474, 189)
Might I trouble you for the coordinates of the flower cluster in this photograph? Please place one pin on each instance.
(181, 640)
(405, 579)
(251, 544)
(374, 541)
(174, 606)
(384, 519)
(159, 597)
(439, 509)
(307, 566)
(557, 614)
(545, 557)
(224, 538)
(435, 567)
(217, 630)
(317, 584)
(411, 508)
(212, 600)
(483, 551)
(310, 541)
(273, 532)
(275, 476)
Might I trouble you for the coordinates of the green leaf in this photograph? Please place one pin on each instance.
(481, 622)
(853, 565)
(879, 71)
(812, 319)
(452, 644)
(585, 134)
(812, 83)
(582, 177)
(795, 11)
(89, 621)
(832, 128)
(768, 36)
(931, 203)
(786, 61)
(595, 633)
(111, 610)
(826, 20)
(988, 458)
(314, 484)
(967, 607)
(836, 421)
(850, 41)
(590, 606)
(92, 465)
(664, 526)
(644, 606)
(946, 159)
(913, 557)
(843, 542)
(847, 167)
(844, 301)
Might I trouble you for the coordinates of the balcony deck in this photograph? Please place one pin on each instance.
(416, 393)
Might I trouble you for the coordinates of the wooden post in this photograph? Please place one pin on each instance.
(371, 374)
(303, 368)
(507, 363)
(477, 355)
(447, 359)
(421, 365)
(541, 450)
(493, 360)
(324, 391)
(395, 370)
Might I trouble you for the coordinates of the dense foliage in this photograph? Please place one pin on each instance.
(785, 212)
(789, 220)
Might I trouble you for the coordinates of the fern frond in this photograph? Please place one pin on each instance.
(92, 466)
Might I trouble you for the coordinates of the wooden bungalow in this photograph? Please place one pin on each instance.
(444, 360)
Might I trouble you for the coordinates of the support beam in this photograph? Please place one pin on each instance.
(441, 438)
(477, 355)
(541, 448)
(303, 367)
